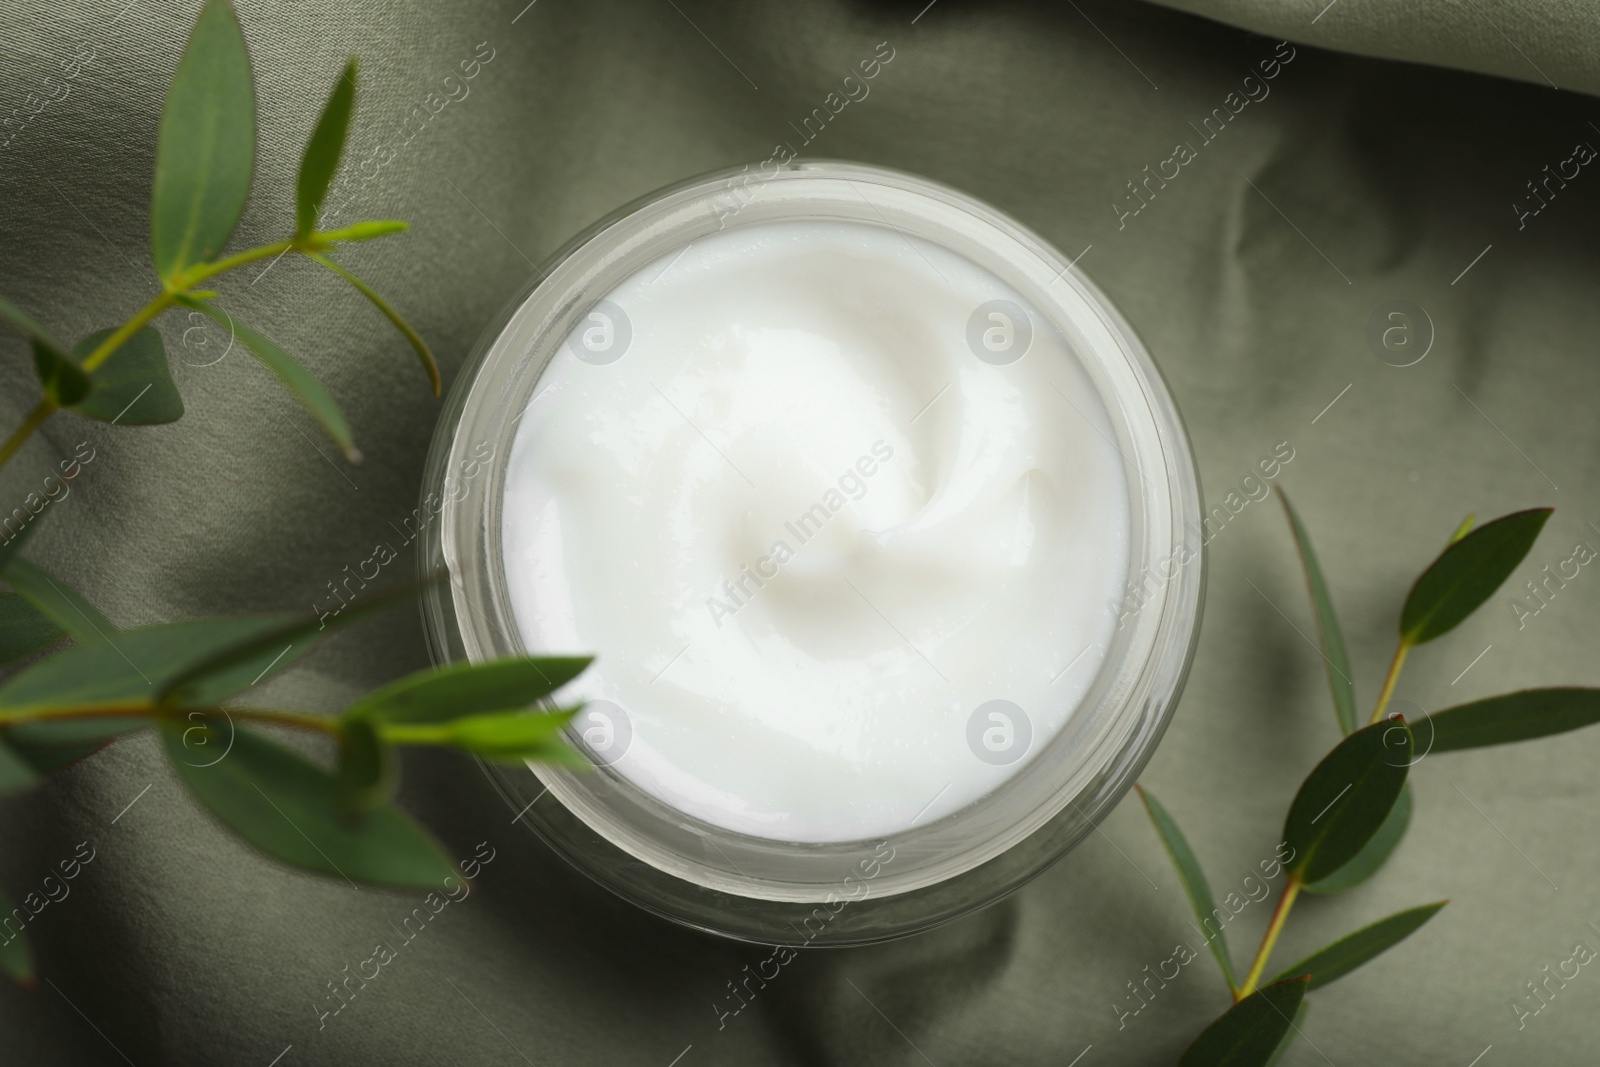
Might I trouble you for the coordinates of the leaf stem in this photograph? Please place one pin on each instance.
(143, 709)
(36, 418)
(1280, 915)
(1400, 652)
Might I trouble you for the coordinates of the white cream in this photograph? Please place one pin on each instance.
(966, 526)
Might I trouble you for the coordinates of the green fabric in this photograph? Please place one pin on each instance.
(1251, 275)
(1553, 43)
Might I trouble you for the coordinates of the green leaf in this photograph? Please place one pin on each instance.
(14, 542)
(1375, 853)
(138, 666)
(463, 689)
(1346, 798)
(63, 381)
(364, 231)
(306, 389)
(1352, 950)
(1328, 632)
(365, 773)
(1294, 1031)
(206, 150)
(25, 324)
(24, 629)
(321, 159)
(1249, 1033)
(294, 811)
(50, 744)
(16, 773)
(515, 735)
(1519, 716)
(223, 665)
(1194, 882)
(133, 387)
(417, 343)
(16, 958)
(1467, 573)
(57, 600)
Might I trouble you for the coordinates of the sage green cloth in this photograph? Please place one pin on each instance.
(1252, 270)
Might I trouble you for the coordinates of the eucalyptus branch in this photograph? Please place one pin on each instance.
(1354, 808)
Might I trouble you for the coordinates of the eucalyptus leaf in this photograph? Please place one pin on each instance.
(57, 600)
(1249, 1033)
(1346, 798)
(206, 149)
(1294, 1031)
(136, 667)
(514, 735)
(16, 958)
(365, 231)
(1330, 636)
(14, 542)
(1194, 882)
(63, 381)
(24, 629)
(50, 744)
(16, 773)
(294, 811)
(222, 666)
(134, 386)
(321, 159)
(25, 324)
(1352, 950)
(417, 343)
(305, 388)
(463, 689)
(1467, 573)
(365, 773)
(1375, 853)
(1520, 716)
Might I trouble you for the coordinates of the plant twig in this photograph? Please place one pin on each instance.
(1400, 652)
(1280, 915)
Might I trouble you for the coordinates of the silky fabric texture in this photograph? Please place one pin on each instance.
(1255, 271)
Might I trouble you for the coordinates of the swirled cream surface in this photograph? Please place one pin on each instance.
(840, 519)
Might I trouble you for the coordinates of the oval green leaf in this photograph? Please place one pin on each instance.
(294, 811)
(16, 958)
(1294, 1030)
(462, 689)
(1194, 882)
(321, 159)
(365, 773)
(134, 386)
(206, 149)
(24, 629)
(25, 324)
(1330, 637)
(1352, 950)
(1249, 1033)
(16, 773)
(50, 744)
(222, 666)
(514, 735)
(57, 600)
(63, 381)
(418, 345)
(1375, 853)
(1467, 573)
(1520, 716)
(1346, 798)
(137, 666)
(302, 386)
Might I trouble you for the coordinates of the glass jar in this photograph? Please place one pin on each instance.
(805, 893)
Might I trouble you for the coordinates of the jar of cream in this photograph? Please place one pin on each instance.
(879, 521)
